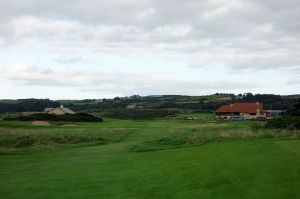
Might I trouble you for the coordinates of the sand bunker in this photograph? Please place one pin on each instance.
(40, 123)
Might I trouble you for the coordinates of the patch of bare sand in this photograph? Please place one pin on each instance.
(40, 123)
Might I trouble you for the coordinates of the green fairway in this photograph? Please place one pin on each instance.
(268, 167)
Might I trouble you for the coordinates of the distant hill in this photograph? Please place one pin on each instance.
(206, 103)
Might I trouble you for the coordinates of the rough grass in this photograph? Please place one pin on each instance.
(163, 134)
(186, 136)
(11, 139)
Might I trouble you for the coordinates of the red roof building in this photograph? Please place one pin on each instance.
(245, 110)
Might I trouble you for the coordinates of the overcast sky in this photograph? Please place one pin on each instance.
(79, 49)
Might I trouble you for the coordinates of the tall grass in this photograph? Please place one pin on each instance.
(190, 136)
(20, 138)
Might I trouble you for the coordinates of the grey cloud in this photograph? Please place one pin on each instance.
(232, 17)
(108, 82)
(236, 33)
(265, 62)
(35, 75)
(147, 86)
(294, 81)
(70, 60)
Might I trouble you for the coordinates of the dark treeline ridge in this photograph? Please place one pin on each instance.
(79, 117)
(24, 105)
(207, 103)
(139, 113)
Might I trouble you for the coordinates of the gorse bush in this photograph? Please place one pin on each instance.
(290, 121)
(284, 123)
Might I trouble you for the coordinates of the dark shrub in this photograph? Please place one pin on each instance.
(284, 123)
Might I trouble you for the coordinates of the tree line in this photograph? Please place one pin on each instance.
(193, 103)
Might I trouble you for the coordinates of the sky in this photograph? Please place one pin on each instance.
(79, 49)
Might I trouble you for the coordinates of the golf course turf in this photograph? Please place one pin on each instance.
(258, 168)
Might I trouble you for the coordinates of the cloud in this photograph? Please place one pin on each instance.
(216, 35)
(209, 19)
(70, 60)
(105, 81)
(295, 80)
(267, 62)
(239, 36)
(173, 31)
(34, 75)
(145, 19)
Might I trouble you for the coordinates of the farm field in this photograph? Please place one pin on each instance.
(163, 158)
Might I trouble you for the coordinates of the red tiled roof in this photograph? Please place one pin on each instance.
(241, 108)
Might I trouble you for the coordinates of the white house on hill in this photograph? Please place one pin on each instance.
(59, 111)
(134, 106)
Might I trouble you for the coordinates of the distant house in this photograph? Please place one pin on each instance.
(134, 106)
(47, 110)
(60, 111)
(242, 111)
